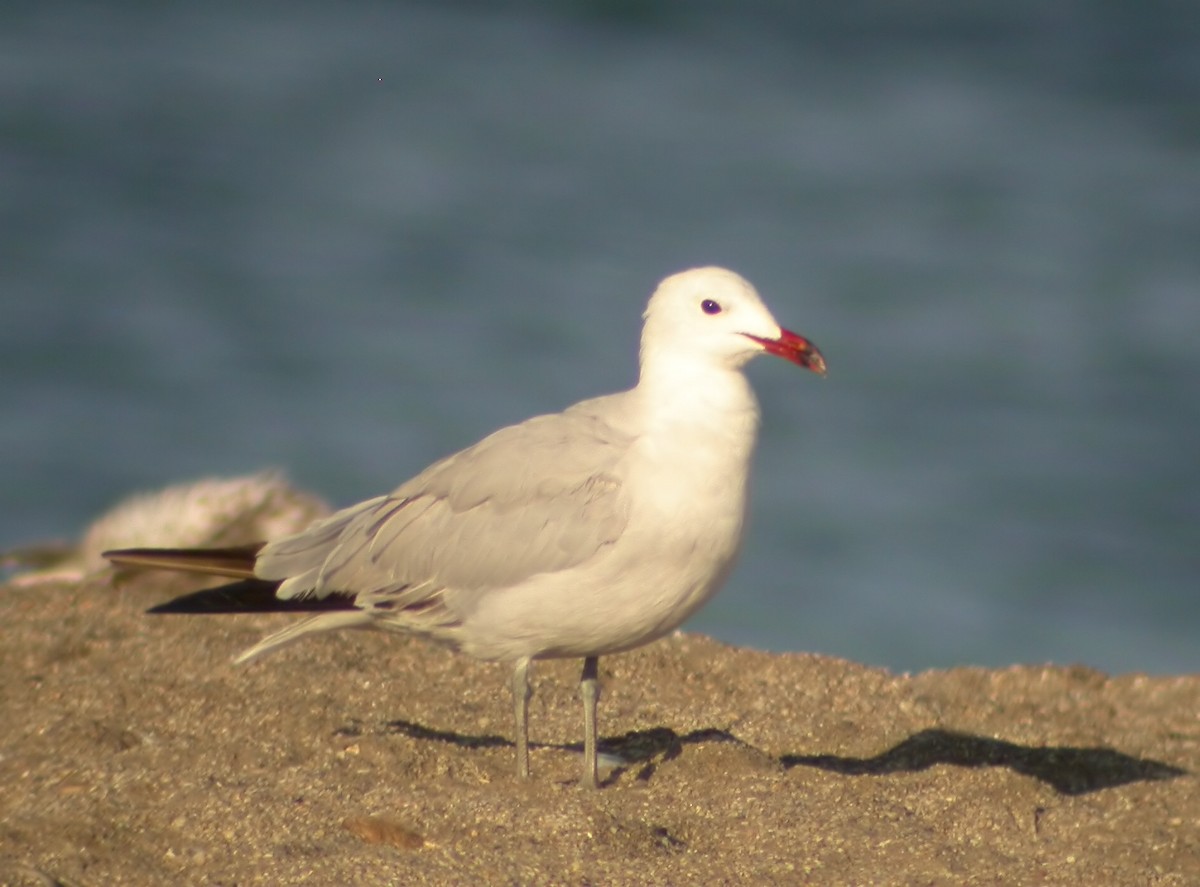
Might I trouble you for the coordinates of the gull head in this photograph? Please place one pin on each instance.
(714, 316)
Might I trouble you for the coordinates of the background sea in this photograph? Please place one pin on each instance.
(346, 239)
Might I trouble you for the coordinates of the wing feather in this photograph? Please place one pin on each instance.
(537, 497)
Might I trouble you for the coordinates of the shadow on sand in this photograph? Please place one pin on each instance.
(1068, 770)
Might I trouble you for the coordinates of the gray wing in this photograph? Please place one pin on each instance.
(532, 498)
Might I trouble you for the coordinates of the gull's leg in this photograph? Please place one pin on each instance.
(521, 694)
(589, 689)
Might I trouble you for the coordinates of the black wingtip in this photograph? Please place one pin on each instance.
(234, 562)
(248, 596)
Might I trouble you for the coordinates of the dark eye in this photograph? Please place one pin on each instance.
(708, 306)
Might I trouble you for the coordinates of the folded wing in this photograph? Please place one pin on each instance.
(532, 498)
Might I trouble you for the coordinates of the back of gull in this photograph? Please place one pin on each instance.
(573, 534)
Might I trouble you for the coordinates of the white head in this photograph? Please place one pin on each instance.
(715, 317)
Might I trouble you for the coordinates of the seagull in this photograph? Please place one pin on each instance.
(569, 535)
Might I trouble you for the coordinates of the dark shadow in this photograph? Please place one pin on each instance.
(646, 747)
(1070, 771)
(649, 748)
(633, 747)
(462, 740)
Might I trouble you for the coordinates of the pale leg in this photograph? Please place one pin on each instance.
(521, 694)
(589, 690)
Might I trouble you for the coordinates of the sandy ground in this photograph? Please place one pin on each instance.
(133, 752)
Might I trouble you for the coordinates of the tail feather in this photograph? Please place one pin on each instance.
(354, 618)
(250, 596)
(236, 562)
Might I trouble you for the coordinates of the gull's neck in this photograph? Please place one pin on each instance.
(698, 401)
(696, 426)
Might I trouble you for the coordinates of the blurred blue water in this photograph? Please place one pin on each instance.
(347, 240)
